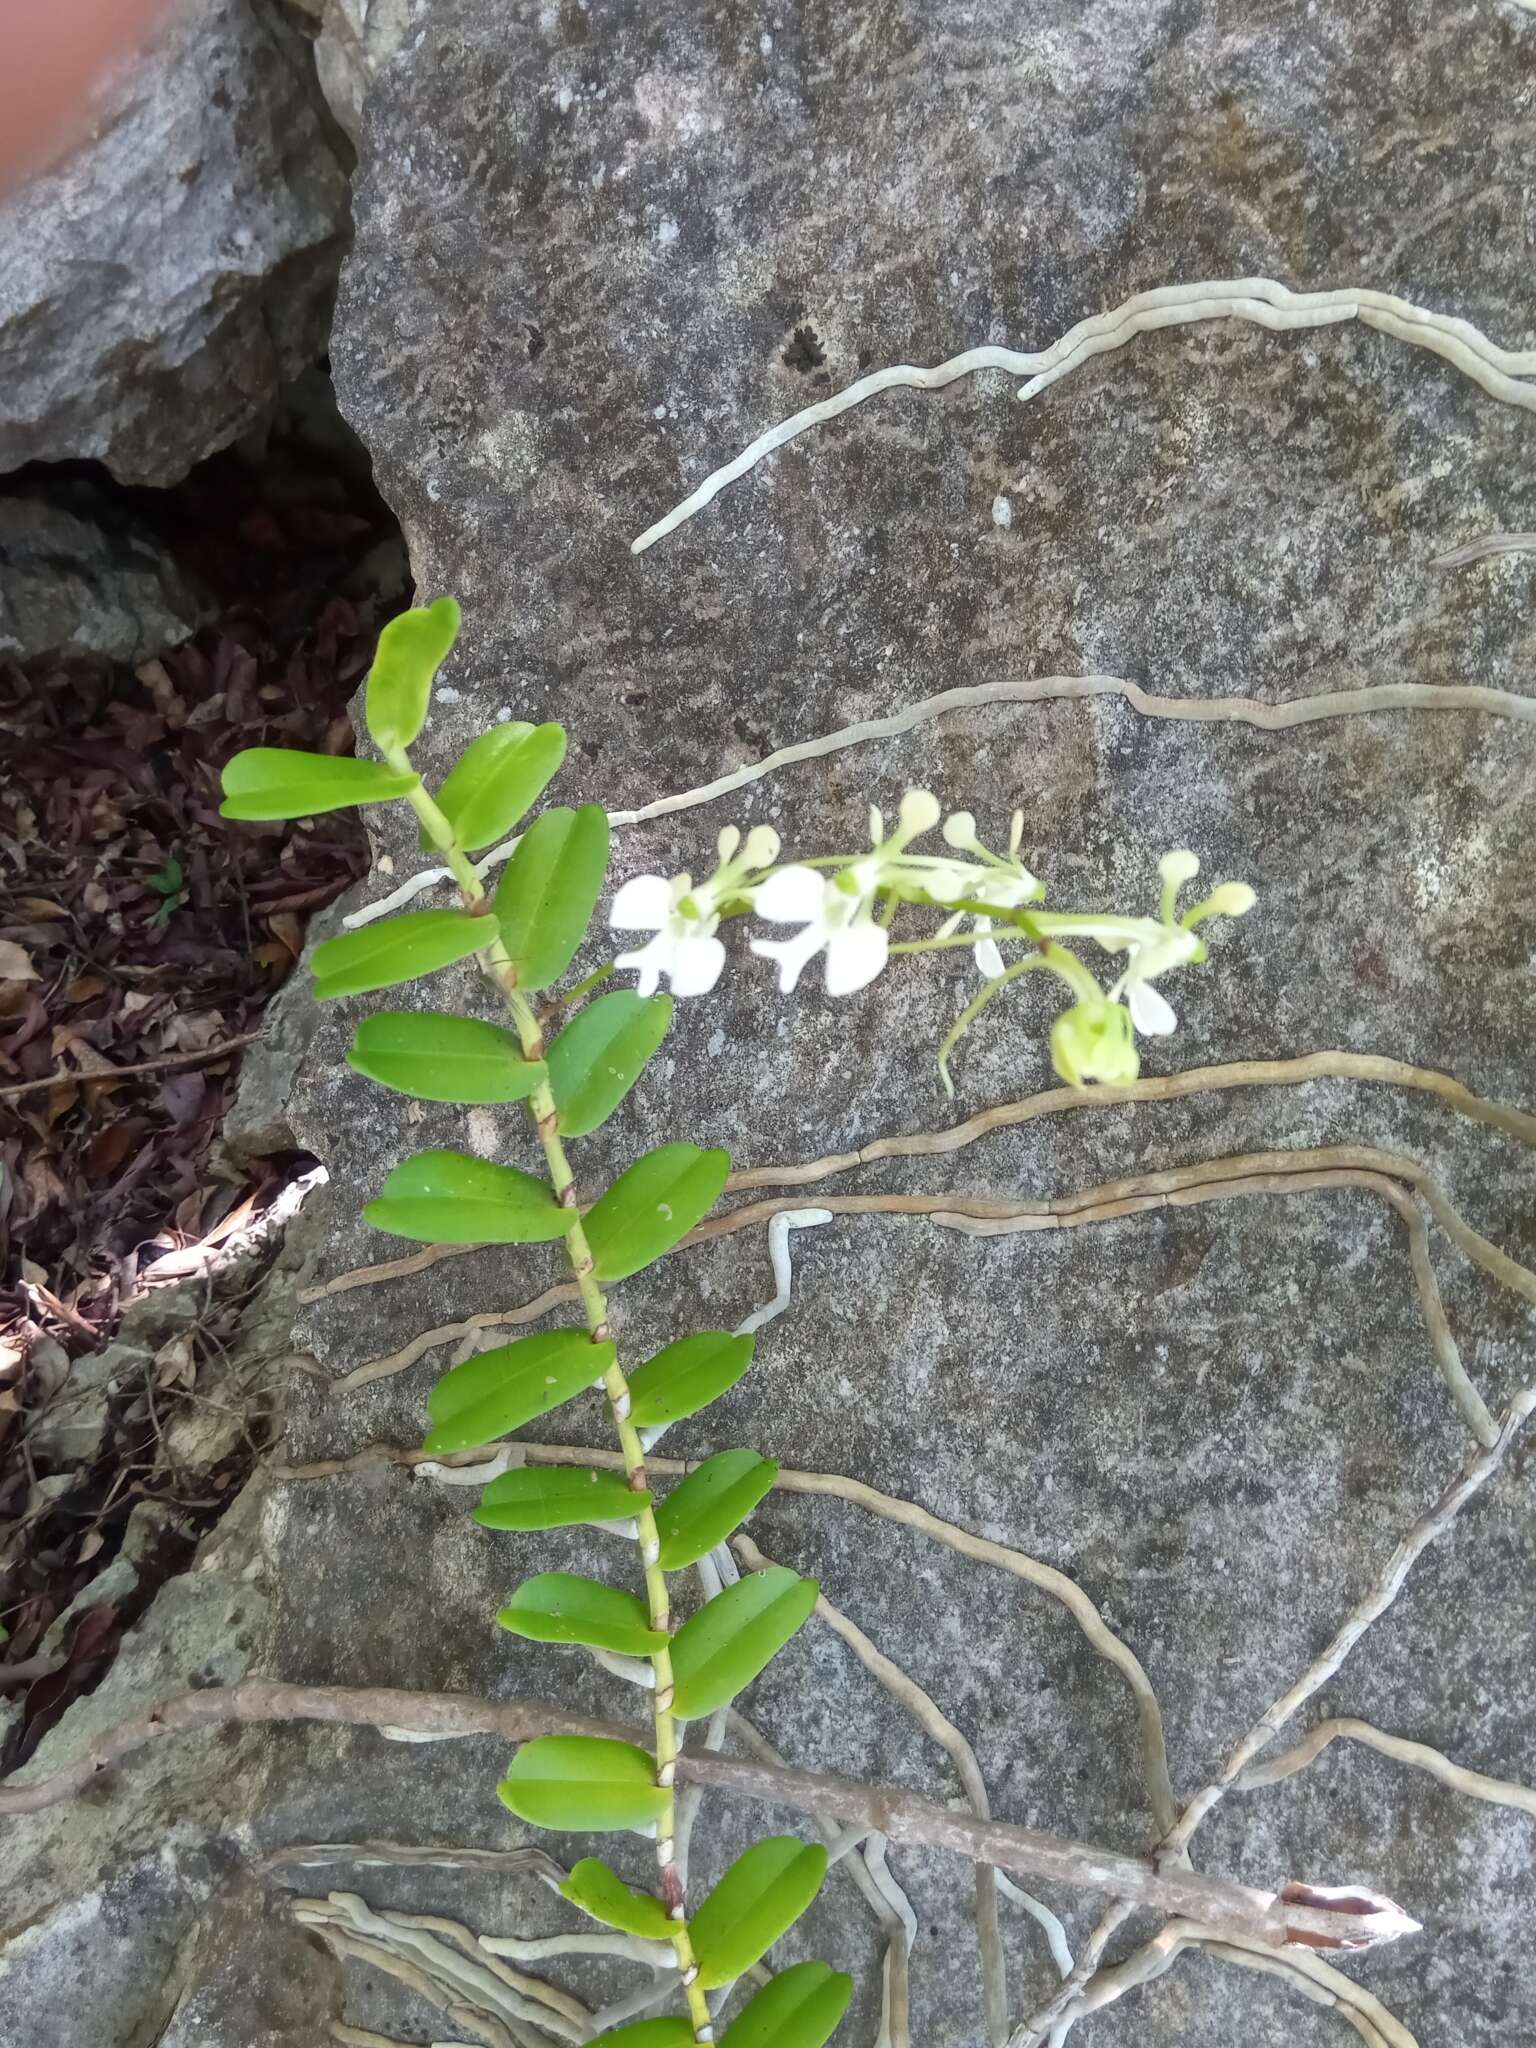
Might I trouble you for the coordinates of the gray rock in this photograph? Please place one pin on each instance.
(77, 579)
(116, 1928)
(1219, 1420)
(163, 281)
(599, 251)
(73, 1429)
(354, 40)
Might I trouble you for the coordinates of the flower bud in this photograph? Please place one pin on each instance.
(919, 813)
(1179, 867)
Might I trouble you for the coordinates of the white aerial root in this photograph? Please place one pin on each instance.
(1487, 544)
(1327, 704)
(1257, 299)
(1306, 1973)
(1038, 1911)
(783, 1271)
(414, 1948)
(929, 1716)
(1496, 1791)
(779, 1228)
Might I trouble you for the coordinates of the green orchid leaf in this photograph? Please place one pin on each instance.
(556, 1497)
(728, 1642)
(397, 949)
(443, 1059)
(411, 650)
(280, 782)
(601, 1054)
(583, 1784)
(562, 1607)
(497, 778)
(501, 1390)
(546, 897)
(709, 1504)
(687, 1376)
(605, 1896)
(759, 1898)
(454, 1198)
(800, 2008)
(669, 2033)
(651, 1205)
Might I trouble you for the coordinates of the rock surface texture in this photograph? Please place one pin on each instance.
(162, 281)
(602, 247)
(77, 577)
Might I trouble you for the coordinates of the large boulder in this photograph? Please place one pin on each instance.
(602, 247)
(163, 280)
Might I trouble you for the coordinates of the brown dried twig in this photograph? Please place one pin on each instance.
(890, 1507)
(903, 1817)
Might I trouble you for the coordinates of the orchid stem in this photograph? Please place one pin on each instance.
(501, 970)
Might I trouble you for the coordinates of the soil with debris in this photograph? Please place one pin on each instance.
(141, 938)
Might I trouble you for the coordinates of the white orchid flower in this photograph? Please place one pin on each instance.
(1156, 945)
(836, 911)
(836, 914)
(1007, 883)
(686, 919)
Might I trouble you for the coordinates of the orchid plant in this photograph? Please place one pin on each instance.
(842, 907)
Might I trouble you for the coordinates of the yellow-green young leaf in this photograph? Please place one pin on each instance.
(555, 1497)
(515, 1384)
(651, 1205)
(670, 2033)
(600, 1054)
(277, 782)
(516, 729)
(563, 1607)
(496, 778)
(397, 949)
(454, 1198)
(546, 897)
(583, 1784)
(709, 1504)
(605, 1896)
(759, 1898)
(728, 1642)
(411, 650)
(800, 2008)
(687, 1376)
(442, 1058)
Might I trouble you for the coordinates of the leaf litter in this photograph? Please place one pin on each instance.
(139, 930)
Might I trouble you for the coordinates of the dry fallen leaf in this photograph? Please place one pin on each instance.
(289, 929)
(175, 1364)
(195, 1033)
(16, 963)
(80, 1049)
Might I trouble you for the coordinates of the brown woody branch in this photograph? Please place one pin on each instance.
(903, 1817)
